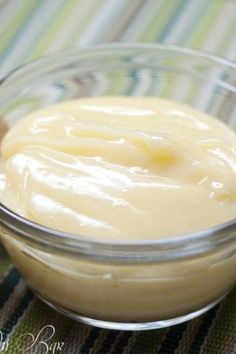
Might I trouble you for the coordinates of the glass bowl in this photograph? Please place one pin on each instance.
(128, 285)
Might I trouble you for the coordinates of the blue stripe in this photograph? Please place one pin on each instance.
(88, 344)
(108, 341)
(203, 331)
(172, 339)
(19, 34)
(15, 316)
(192, 25)
(8, 285)
(122, 342)
(161, 36)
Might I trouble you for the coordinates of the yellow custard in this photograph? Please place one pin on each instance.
(121, 168)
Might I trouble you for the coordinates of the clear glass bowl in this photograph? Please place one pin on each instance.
(123, 285)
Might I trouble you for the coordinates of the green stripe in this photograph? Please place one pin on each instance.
(17, 313)
(85, 19)
(159, 19)
(171, 22)
(5, 263)
(120, 26)
(116, 86)
(229, 38)
(209, 16)
(166, 87)
(12, 34)
(38, 316)
(212, 15)
(76, 336)
(221, 337)
(108, 20)
(193, 24)
(47, 35)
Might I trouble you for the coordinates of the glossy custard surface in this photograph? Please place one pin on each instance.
(121, 168)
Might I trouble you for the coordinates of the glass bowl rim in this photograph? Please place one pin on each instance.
(182, 245)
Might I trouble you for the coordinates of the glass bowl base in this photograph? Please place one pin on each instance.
(131, 326)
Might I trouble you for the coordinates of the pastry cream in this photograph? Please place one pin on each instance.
(122, 168)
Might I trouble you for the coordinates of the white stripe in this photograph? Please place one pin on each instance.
(143, 83)
(142, 20)
(220, 27)
(211, 44)
(182, 90)
(187, 16)
(100, 85)
(13, 300)
(69, 27)
(33, 30)
(101, 21)
(230, 52)
(19, 320)
(205, 95)
(191, 11)
(8, 13)
(178, 91)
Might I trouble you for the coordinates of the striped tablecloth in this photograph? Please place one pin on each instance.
(32, 28)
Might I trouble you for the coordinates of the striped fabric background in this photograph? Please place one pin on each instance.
(32, 28)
